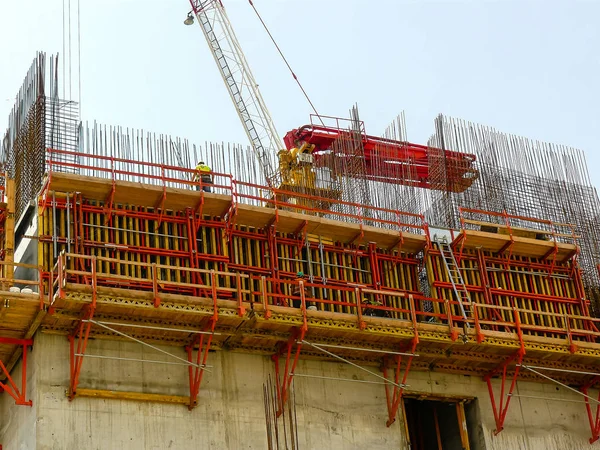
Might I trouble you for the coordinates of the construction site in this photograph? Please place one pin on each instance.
(330, 289)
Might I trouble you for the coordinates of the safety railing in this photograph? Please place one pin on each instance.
(120, 169)
(364, 303)
(32, 279)
(202, 283)
(365, 214)
(358, 301)
(541, 228)
(166, 176)
(339, 123)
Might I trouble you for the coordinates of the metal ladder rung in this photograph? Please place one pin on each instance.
(458, 283)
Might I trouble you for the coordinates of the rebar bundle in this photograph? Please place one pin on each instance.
(525, 178)
(38, 120)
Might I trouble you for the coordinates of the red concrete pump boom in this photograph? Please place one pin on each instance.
(391, 161)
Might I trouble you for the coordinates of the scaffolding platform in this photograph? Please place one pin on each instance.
(262, 328)
(20, 317)
(139, 194)
(220, 205)
(516, 245)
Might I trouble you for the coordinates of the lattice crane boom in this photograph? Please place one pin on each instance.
(241, 85)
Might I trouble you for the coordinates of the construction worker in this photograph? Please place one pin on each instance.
(203, 173)
(374, 312)
(297, 300)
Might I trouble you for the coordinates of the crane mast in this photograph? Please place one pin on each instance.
(241, 85)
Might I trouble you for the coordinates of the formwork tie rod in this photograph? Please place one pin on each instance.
(342, 379)
(140, 342)
(386, 381)
(152, 327)
(531, 369)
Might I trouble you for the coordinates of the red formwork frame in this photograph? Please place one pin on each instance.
(10, 386)
(489, 292)
(375, 258)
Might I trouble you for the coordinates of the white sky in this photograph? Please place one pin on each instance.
(530, 68)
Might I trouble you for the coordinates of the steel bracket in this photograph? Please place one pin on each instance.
(203, 342)
(501, 409)
(81, 333)
(594, 418)
(393, 394)
(9, 386)
(291, 350)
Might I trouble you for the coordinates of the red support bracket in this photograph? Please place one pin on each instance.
(361, 323)
(594, 419)
(10, 387)
(501, 409)
(203, 342)
(453, 331)
(263, 294)
(272, 222)
(291, 350)
(198, 361)
(394, 395)
(572, 346)
(82, 333)
(76, 353)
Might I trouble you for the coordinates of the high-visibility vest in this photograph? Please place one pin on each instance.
(206, 177)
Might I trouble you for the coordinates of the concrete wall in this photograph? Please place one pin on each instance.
(330, 414)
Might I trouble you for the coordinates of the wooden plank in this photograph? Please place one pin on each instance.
(132, 396)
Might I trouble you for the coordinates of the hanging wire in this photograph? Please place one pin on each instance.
(286, 62)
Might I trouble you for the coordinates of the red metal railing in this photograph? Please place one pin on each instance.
(242, 192)
(358, 301)
(546, 227)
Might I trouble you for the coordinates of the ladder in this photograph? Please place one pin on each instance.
(456, 278)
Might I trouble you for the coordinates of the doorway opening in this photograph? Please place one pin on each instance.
(443, 424)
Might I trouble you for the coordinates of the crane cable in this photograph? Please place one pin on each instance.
(286, 62)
